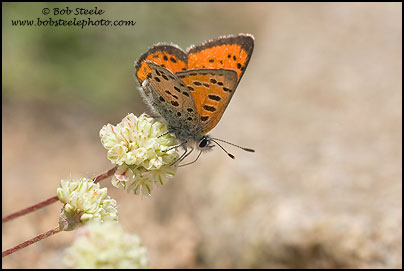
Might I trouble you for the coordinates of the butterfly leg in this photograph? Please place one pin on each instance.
(163, 134)
(178, 145)
(183, 156)
(186, 164)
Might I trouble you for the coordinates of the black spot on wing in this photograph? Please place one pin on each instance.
(209, 108)
(214, 97)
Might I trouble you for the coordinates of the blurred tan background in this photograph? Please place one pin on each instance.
(320, 101)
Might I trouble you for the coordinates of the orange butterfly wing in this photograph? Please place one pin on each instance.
(170, 57)
(231, 52)
(211, 90)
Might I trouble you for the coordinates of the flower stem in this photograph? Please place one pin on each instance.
(53, 199)
(30, 242)
(30, 209)
(105, 174)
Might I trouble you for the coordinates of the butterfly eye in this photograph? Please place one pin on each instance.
(204, 142)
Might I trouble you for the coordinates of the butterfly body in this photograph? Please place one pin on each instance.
(181, 121)
(191, 90)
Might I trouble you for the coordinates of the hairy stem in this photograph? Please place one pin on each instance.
(30, 209)
(30, 242)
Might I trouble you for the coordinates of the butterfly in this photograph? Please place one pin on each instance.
(191, 89)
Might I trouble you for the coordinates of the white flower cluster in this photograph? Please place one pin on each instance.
(140, 146)
(107, 246)
(85, 198)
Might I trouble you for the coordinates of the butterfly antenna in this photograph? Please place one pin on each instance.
(246, 149)
(229, 154)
